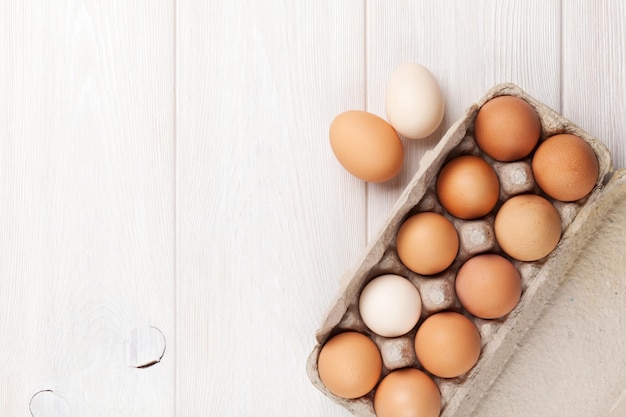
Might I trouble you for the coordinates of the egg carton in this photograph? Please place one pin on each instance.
(540, 278)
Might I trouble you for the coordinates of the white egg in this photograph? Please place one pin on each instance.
(390, 305)
(414, 102)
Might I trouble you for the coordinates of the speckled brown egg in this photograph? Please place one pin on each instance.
(350, 365)
(447, 344)
(427, 243)
(366, 145)
(468, 187)
(527, 227)
(507, 128)
(565, 167)
(407, 393)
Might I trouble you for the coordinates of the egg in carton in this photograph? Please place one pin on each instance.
(539, 279)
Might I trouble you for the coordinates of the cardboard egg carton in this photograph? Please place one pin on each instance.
(540, 278)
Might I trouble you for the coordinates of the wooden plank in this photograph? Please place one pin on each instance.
(87, 223)
(594, 76)
(469, 47)
(267, 219)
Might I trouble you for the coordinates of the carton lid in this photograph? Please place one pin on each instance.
(573, 357)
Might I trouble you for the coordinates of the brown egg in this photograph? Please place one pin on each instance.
(366, 145)
(527, 227)
(427, 243)
(447, 344)
(407, 393)
(349, 365)
(488, 286)
(468, 187)
(565, 167)
(507, 128)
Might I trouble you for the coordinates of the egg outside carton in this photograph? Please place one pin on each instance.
(539, 278)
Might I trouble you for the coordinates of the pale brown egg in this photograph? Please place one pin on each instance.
(366, 145)
(427, 243)
(565, 167)
(414, 102)
(488, 286)
(527, 227)
(468, 187)
(447, 344)
(349, 365)
(507, 128)
(407, 392)
(390, 305)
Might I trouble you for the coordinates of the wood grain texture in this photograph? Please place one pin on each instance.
(594, 70)
(267, 218)
(166, 163)
(469, 47)
(87, 185)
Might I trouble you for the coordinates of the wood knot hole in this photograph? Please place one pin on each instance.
(146, 347)
(47, 403)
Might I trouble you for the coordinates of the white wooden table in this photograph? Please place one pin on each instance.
(164, 164)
